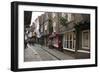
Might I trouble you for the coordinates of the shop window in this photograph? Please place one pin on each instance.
(86, 39)
(69, 40)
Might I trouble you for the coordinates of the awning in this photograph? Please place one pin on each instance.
(54, 35)
(51, 36)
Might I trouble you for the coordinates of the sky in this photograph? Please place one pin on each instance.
(34, 16)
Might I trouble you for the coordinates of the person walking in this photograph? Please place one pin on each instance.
(26, 41)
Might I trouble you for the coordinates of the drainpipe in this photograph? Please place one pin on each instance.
(77, 40)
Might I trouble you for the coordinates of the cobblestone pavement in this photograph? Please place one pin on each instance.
(31, 55)
(41, 53)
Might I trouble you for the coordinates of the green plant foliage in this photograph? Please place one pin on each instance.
(63, 21)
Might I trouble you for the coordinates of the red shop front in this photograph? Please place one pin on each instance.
(56, 40)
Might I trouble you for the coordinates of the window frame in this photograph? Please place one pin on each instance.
(84, 47)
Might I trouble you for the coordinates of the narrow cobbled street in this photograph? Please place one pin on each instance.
(56, 36)
(41, 53)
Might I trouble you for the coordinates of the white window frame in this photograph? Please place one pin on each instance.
(69, 17)
(47, 15)
(65, 39)
(46, 26)
(84, 47)
(53, 15)
(63, 15)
